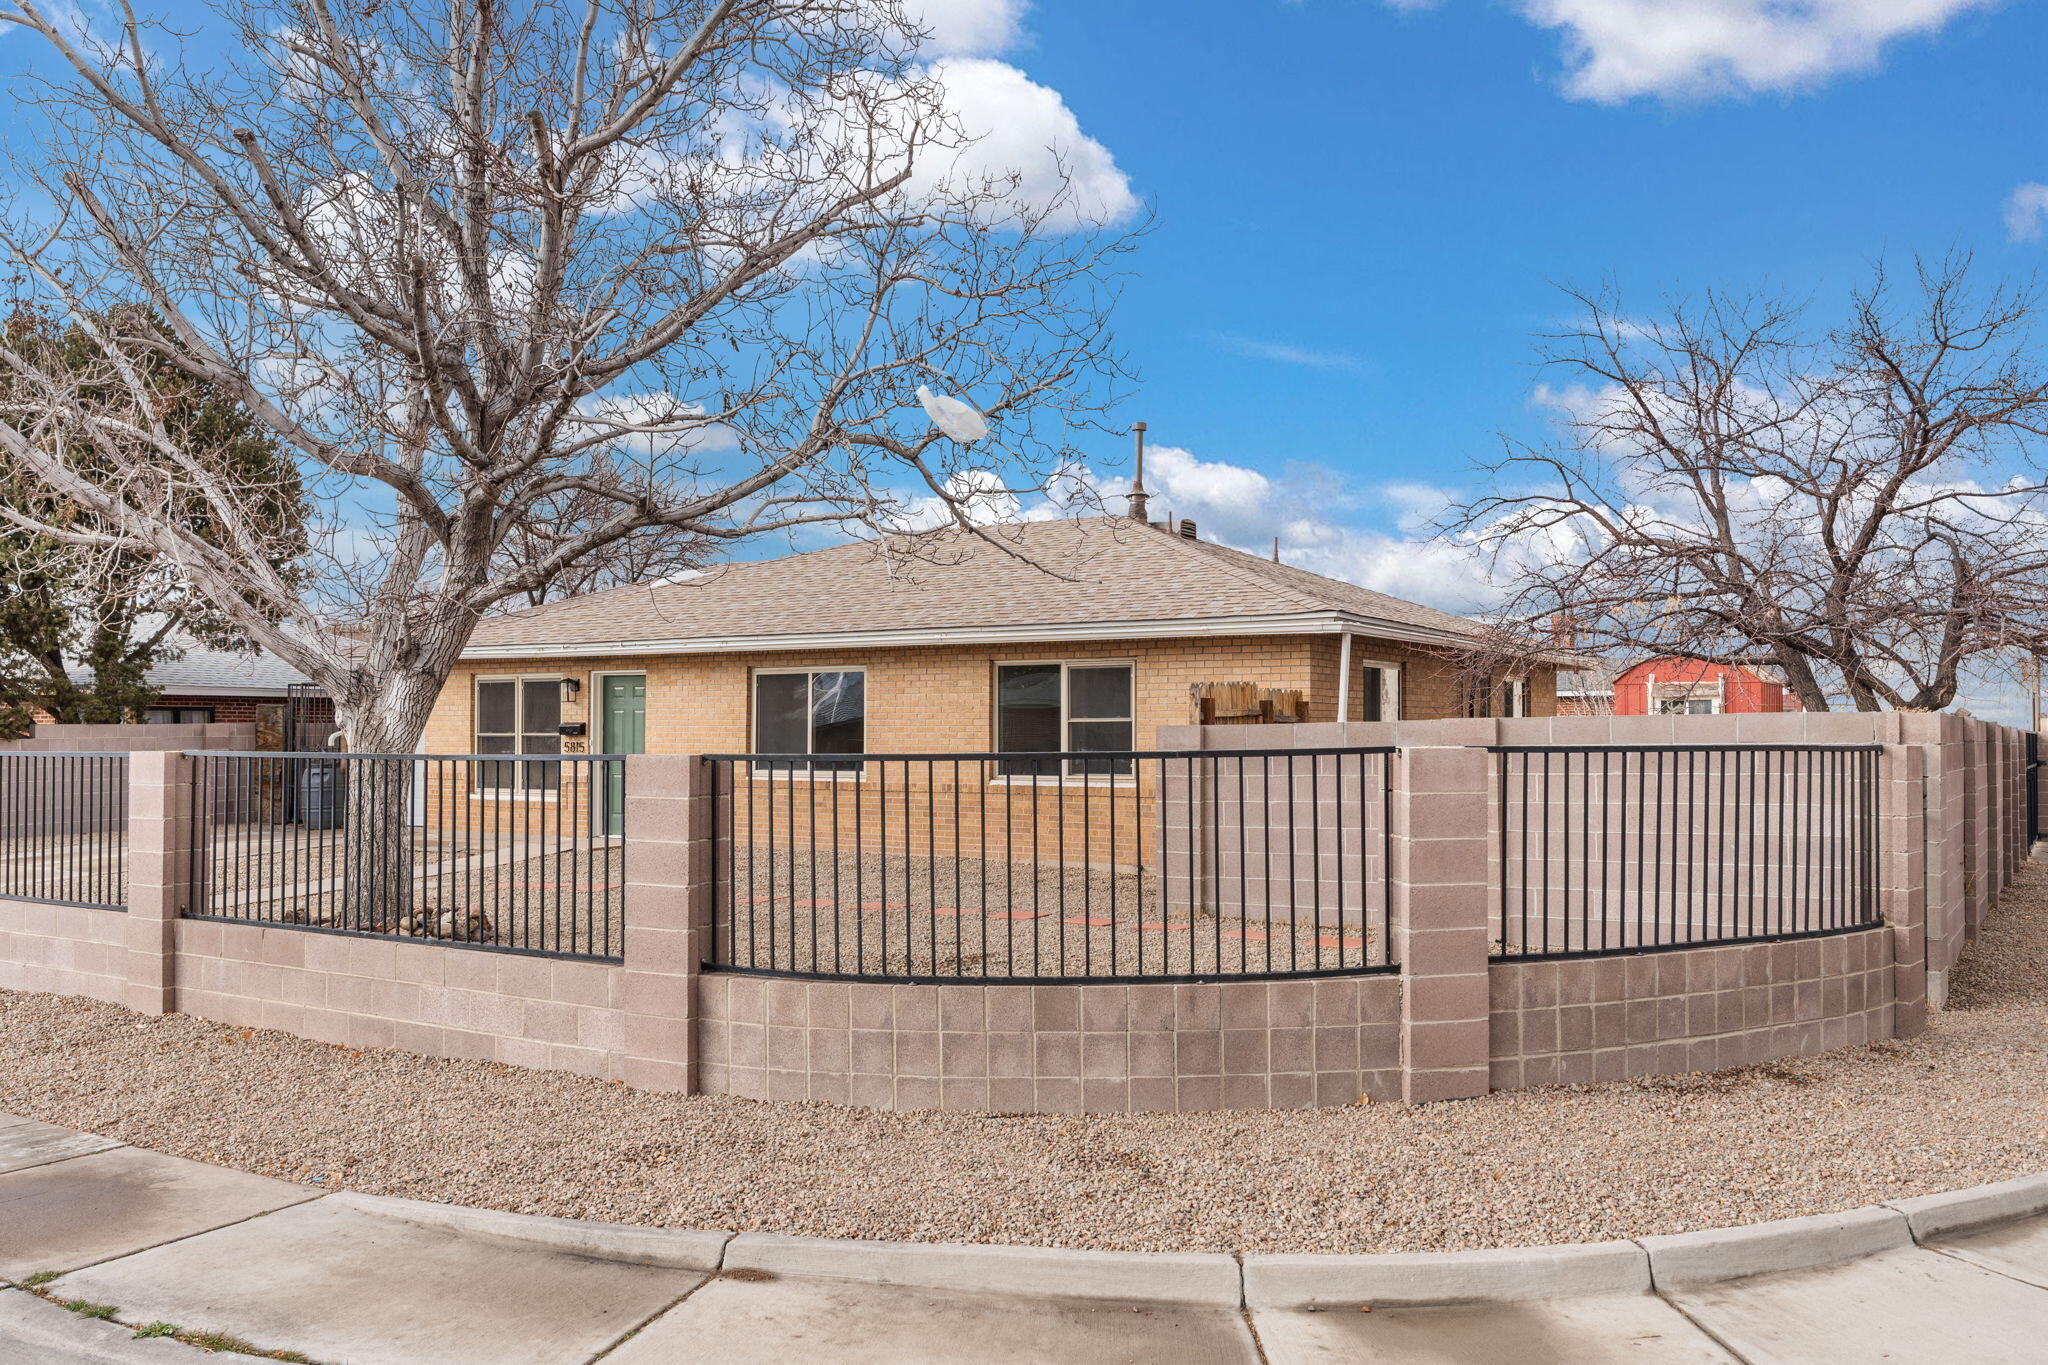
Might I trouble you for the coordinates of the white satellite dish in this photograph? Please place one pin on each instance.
(952, 416)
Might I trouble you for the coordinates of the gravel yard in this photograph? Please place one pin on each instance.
(1965, 1103)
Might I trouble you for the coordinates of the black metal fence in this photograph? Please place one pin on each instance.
(64, 828)
(488, 851)
(1087, 866)
(1622, 849)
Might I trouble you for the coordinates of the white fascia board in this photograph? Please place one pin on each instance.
(1298, 623)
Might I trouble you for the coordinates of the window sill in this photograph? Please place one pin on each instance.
(514, 796)
(1070, 780)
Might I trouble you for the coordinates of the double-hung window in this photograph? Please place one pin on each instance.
(813, 712)
(1047, 708)
(519, 716)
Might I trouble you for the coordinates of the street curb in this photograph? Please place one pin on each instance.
(1145, 1276)
(1936, 1215)
(1504, 1274)
(1688, 1259)
(670, 1248)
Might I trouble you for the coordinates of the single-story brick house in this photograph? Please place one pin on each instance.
(1070, 634)
(202, 686)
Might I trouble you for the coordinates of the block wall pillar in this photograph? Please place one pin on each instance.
(668, 916)
(1442, 890)
(159, 874)
(1902, 880)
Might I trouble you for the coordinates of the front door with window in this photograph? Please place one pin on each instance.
(623, 730)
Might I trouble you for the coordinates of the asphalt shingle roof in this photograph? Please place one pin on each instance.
(1050, 573)
(201, 670)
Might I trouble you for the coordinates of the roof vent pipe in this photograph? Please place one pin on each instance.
(1137, 494)
(1187, 530)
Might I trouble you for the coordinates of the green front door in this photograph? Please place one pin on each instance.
(624, 718)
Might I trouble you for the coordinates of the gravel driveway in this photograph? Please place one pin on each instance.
(1965, 1103)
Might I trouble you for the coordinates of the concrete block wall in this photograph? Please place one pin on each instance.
(1054, 1049)
(1448, 1024)
(64, 949)
(1645, 1014)
(440, 1001)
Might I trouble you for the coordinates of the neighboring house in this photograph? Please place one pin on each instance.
(1680, 686)
(1090, 636)
(212, 686)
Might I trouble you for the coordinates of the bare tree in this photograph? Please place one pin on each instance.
(654, 554)
(686, 262)
(1862, 509)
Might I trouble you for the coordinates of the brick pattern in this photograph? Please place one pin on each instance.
(1440, 851)
(941, 698)
(64, 949)
(159, 873)
(1701, 1009)
(435, 1000)
(1098, 1049)
(668, 919)
(248, 710)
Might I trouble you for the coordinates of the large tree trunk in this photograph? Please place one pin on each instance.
(1799, 677)
(378, 855)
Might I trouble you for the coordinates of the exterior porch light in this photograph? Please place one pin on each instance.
(570, 687)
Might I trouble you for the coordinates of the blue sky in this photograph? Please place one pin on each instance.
(1363, 210)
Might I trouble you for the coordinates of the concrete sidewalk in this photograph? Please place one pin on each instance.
(349, 1280)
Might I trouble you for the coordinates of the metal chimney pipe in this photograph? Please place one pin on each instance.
(1137, 495)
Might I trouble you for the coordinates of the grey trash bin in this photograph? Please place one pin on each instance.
(321, 796)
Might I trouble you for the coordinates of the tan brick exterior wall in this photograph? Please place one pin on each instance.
(941, 698)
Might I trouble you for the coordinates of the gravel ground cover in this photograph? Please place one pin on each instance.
(1965, 1103)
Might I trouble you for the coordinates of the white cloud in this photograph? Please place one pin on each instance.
(651, 425)
(1283, 353)
(1022, 128)
(2026, 212)
(969, 28)
(1622, 49)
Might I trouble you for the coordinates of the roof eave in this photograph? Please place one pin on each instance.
(1291, 623)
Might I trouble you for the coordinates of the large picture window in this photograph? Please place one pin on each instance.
(519, 716)
(1045, 708)
(818, 712)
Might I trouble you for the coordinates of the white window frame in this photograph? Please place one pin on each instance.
(1715, 694)
(857, 773)
(519, 791)
(1514, 696)
(1390, 686)
(1066, 666)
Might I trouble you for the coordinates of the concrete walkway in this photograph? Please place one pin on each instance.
(345, 1279)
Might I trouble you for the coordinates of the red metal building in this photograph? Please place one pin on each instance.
(1678, 686)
